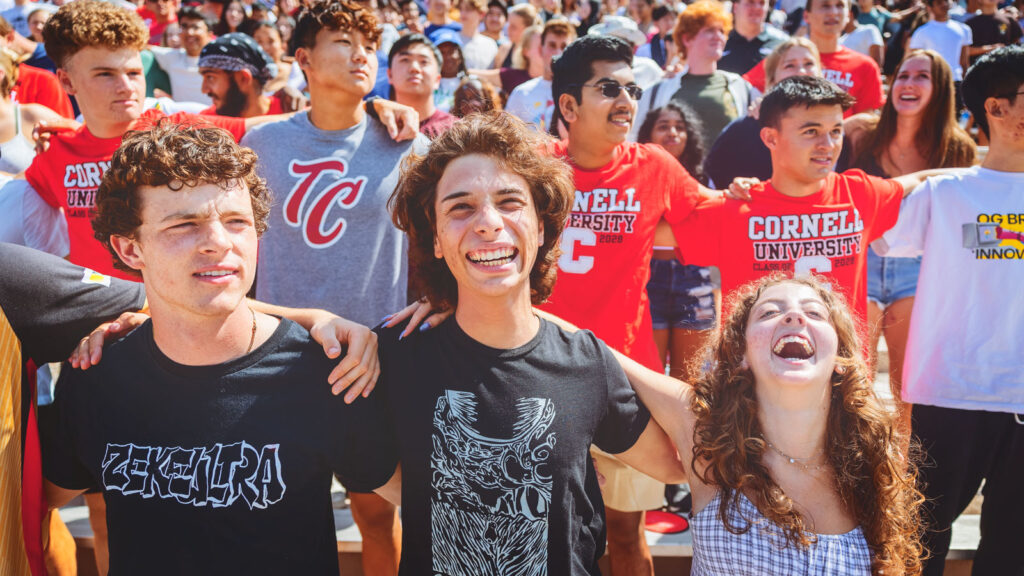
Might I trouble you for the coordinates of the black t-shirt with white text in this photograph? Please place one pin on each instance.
(496, 469)
(222, 469)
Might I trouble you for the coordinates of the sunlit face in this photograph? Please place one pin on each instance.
(790, 339)
(163, 9)
(469, 16)
(414, 71)
(797, 61)
(451, 60)
(516, 25)
(807, 142)
(224, 92)
(752, 11)
(552, 47)
(196, 248)
(270, 40)
(36, 21)
(598, 118)
(109, 85)
(487, 228)
(411, 17)
(494, 21)
(706, 45)
(234, 15)
(670, 132)
(439, 8)
(828, 17)
(940, 9)
(342, 60)
(912, 88)
(195, 34)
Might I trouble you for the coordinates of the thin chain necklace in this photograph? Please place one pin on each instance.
(801, 462)
(252, 338)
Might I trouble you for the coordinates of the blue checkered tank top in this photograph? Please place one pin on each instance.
(763, 550)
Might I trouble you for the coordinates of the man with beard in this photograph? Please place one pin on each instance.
(234, 70)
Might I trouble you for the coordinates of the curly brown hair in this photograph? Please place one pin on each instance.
(518, 149)
(175, 155)
(85, 23)
(332, 15)
(872, 478)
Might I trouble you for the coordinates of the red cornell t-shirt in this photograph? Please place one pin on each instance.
(826, 233)
(68, 174)
(852, 71)
(607, 245)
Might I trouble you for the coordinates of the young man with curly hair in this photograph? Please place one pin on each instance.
(210, 424)
(495, 409)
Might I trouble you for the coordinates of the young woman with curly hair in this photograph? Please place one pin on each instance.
(917, 130)
(791, 456)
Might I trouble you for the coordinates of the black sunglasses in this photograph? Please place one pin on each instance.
(612, 89)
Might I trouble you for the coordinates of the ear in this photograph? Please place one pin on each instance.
(744, 364)
(302, 58)
(65, 81)
(540, 232)
(391, 80)
(244, 78)
(129, 251)
(569, 108)
(437, 247)
(994, 108)
(770, 137)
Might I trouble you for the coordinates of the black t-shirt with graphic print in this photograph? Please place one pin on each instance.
(221, 469)
(496, 470)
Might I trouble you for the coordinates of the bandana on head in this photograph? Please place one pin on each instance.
(236, 51)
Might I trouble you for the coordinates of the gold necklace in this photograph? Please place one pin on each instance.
(801, 462)
(252, 338)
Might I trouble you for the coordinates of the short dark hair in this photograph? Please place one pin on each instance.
(174, 155)
(516, 148)
(498, 4)
(404, 42)
(575, 66)
(191, 12)
(333, 15)
(804, 91)
(994, 75)
(660, 11)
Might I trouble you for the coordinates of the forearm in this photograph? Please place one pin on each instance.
(913, 180)
(305, 317)
(656, 456)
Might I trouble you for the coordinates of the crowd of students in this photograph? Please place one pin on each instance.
(372, 166)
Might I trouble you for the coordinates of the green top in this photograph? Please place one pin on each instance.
(710, 98)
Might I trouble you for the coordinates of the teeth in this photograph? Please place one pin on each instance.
(781, 344)
(216, 273)
(497, 257)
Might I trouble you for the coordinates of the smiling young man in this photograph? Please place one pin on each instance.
(623, 190)
(806, 218)
(495, 409)
(234, 70)
(182, 64)
(855, 73)
(210, 424)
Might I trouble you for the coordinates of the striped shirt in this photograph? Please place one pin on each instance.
(13, 560)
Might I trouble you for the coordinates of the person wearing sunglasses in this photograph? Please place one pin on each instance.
(719, 97)
(623, 189)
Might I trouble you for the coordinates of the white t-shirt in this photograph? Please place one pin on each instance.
(183, 70)
(947, 38)
(26, 219)
(862, 39)
(532, 103)
(964, 350)
(479, 52)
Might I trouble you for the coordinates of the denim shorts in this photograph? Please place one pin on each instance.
(681, 296)
(891, 279)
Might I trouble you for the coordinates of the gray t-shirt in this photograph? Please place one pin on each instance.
(331, 243)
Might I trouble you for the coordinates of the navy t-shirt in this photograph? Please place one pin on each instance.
(222, 469)
(496, 469)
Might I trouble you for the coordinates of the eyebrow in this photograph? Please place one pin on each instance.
(184, 215)
(463, 194)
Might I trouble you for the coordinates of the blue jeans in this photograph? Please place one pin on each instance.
(681, 296)
(891, 279)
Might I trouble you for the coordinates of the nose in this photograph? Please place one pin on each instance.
(215, 239)
(488, 221)
(794, 318)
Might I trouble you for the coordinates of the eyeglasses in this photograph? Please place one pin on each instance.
(612, 89)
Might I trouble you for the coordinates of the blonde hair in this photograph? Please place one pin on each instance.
(772, 61)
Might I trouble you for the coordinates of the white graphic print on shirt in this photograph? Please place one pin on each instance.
(217, 476)
(995, 236)
(491, 496)
(601, 216)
